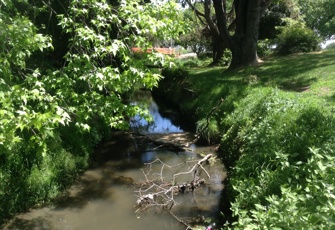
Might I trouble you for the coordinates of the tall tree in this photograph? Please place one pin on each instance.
(243, 43)
(204, 11)
(235, 26)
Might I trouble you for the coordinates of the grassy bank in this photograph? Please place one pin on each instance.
(276, 127)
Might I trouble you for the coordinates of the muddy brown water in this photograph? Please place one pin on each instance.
(104, 197)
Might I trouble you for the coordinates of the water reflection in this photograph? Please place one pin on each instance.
(160, 124)
(148, 156)
(104, 198)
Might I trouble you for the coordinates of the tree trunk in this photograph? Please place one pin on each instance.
(243, 44)
(218, 50)
(244, 41)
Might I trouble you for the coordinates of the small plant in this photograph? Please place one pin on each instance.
(226, 58)
(208, 130)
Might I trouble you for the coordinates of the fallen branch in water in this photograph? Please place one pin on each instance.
(158, 193)
(188, 227)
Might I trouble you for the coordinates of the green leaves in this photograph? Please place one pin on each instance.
(319, 16)
(100, 60)
(75, 101)
(283, 178)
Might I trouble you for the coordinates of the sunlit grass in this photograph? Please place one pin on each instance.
(311, 74)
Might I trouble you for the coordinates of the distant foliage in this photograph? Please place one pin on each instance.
(191, 62)
(295, 37)
(264, 47)
(174, 73)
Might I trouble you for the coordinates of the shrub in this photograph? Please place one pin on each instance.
(283, 176)
(193, 62)
(264, 47)
(174, 73)
(226, 58)
(205, 55)
(295, 37)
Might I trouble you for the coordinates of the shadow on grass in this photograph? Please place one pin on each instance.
(291, 73)
(331, 99)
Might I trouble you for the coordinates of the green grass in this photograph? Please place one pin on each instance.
(277, 138)
(309, 73)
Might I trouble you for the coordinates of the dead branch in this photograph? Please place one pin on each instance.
(195, 168)
(188, 227)
(156, 192)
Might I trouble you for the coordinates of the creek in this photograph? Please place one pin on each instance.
(104, 196)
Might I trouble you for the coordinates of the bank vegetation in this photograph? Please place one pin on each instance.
(274, 124)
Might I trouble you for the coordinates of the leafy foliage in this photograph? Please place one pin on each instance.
(295, 37)
(197, 38)
(50, 119)
(319, 16)
(281, 178)
(264, 47)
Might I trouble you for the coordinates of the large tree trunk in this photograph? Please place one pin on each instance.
(218, 47)
(244, 41)
(243, 44)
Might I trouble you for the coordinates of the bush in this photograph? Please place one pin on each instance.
(283, 176)
(205, 55)
(226, 58)
(193, 62)
(174, 73)
(264, 47)
(295, 37)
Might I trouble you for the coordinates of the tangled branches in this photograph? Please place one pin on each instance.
(157, 192)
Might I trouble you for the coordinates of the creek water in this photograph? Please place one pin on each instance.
(104, 197)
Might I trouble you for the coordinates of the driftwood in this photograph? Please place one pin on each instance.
(158, 193)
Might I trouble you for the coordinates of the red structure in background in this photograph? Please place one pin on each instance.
(167, 51)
